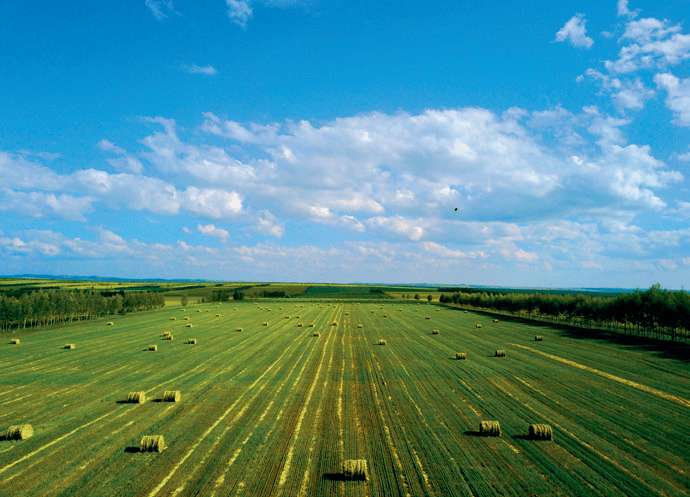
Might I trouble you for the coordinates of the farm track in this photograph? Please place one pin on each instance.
(273, 410)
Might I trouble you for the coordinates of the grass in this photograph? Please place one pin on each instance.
(409, 409)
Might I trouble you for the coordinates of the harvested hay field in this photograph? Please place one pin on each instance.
(287, 410)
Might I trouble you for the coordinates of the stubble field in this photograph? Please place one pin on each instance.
(273, 410)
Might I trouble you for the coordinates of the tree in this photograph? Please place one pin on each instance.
(416, 296)
(184, 299)
(429, 298)
(238, 295)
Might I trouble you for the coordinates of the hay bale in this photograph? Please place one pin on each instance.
(385, 315)
(500, 353)
(466, 312)
(438, 310)
(428, 317)
(538, 338)
(373, 312)
(69, 346)
(234, 308)
(191, 341)
(287, 317)
(490, 429)
(299, 325)
(382, 342)
(297, 317)
(190, 325)
(217, 315)
(335, 323)
(360, 326)
(19, 432)
(198, 310)
(265, 323)
(479, 326)
(280, 309)
(173, 318)
(311, 325)
(182, 310)
(168, 337)
(239, 329)
(110, 323)
(435, 332)
(15, 341)
(186, 318)
(416, 310)
(347, 313)
(540, 432)
(207, 310)
(495, 320)
(400, 310)
(136, 397)
(316, 334)
(172, 396)
(152, 443)
(460, 356)
(354, 470)
(153, 348)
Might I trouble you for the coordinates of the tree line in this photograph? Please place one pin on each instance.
(654, 312)
(54, 307)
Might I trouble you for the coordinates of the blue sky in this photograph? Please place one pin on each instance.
(332, 141)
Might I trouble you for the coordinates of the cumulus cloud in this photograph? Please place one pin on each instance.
(678, 96)
(623, 10)
(626, 94)
(211, 230)
(161, 8)
(574, 31)
(194, 69)
(239, 11)
(46, 205)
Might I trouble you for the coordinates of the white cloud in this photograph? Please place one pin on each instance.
(626, 94)
(159, 8)
(108, 146)
(239, 11)
(194, 69)
(211, 230)
(575, 32)
(682, 210)
(623, 9)
(41, 205)
(268, 224)
(511, 252)
(591, 265)
(678, 96)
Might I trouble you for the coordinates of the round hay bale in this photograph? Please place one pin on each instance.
(435, 332)
(297, 317)
(347, 313)
(217, 306)
(466, 312)
(198, 310)
(400, 310)
(495, 320)
(335, 323)
(490, 429)
(173, 318)
(385, 315)
(500, 353)
(191, 341)
(152, 443)
(460, 356)
(190, 325)
(169, 337)
(217, 315)
(153, 348)
(311, 325)
(382, 342)
(287, 317)
(69, 346)
(172, 396)
(299, 325)
(19, 432)
(239, 329)
(136, 397)
(110, 323)
(316, 334)
(15, 341)
(373, 312)
(438, 310)
(207, 310)
(427, 317)
(416, 310)
(540, 432)
(234, 308)
(538, 338)
(354, 470)
(479, 326)
(360, 326)
(265, 323)
(186, 318)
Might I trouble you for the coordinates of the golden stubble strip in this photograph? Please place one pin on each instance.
(644, 388)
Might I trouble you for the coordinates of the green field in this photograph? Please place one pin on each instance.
(274, 410)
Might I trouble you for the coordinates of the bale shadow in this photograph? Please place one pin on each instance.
(333, 477)
(123, 402)
(471, 433)
(132, 450)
